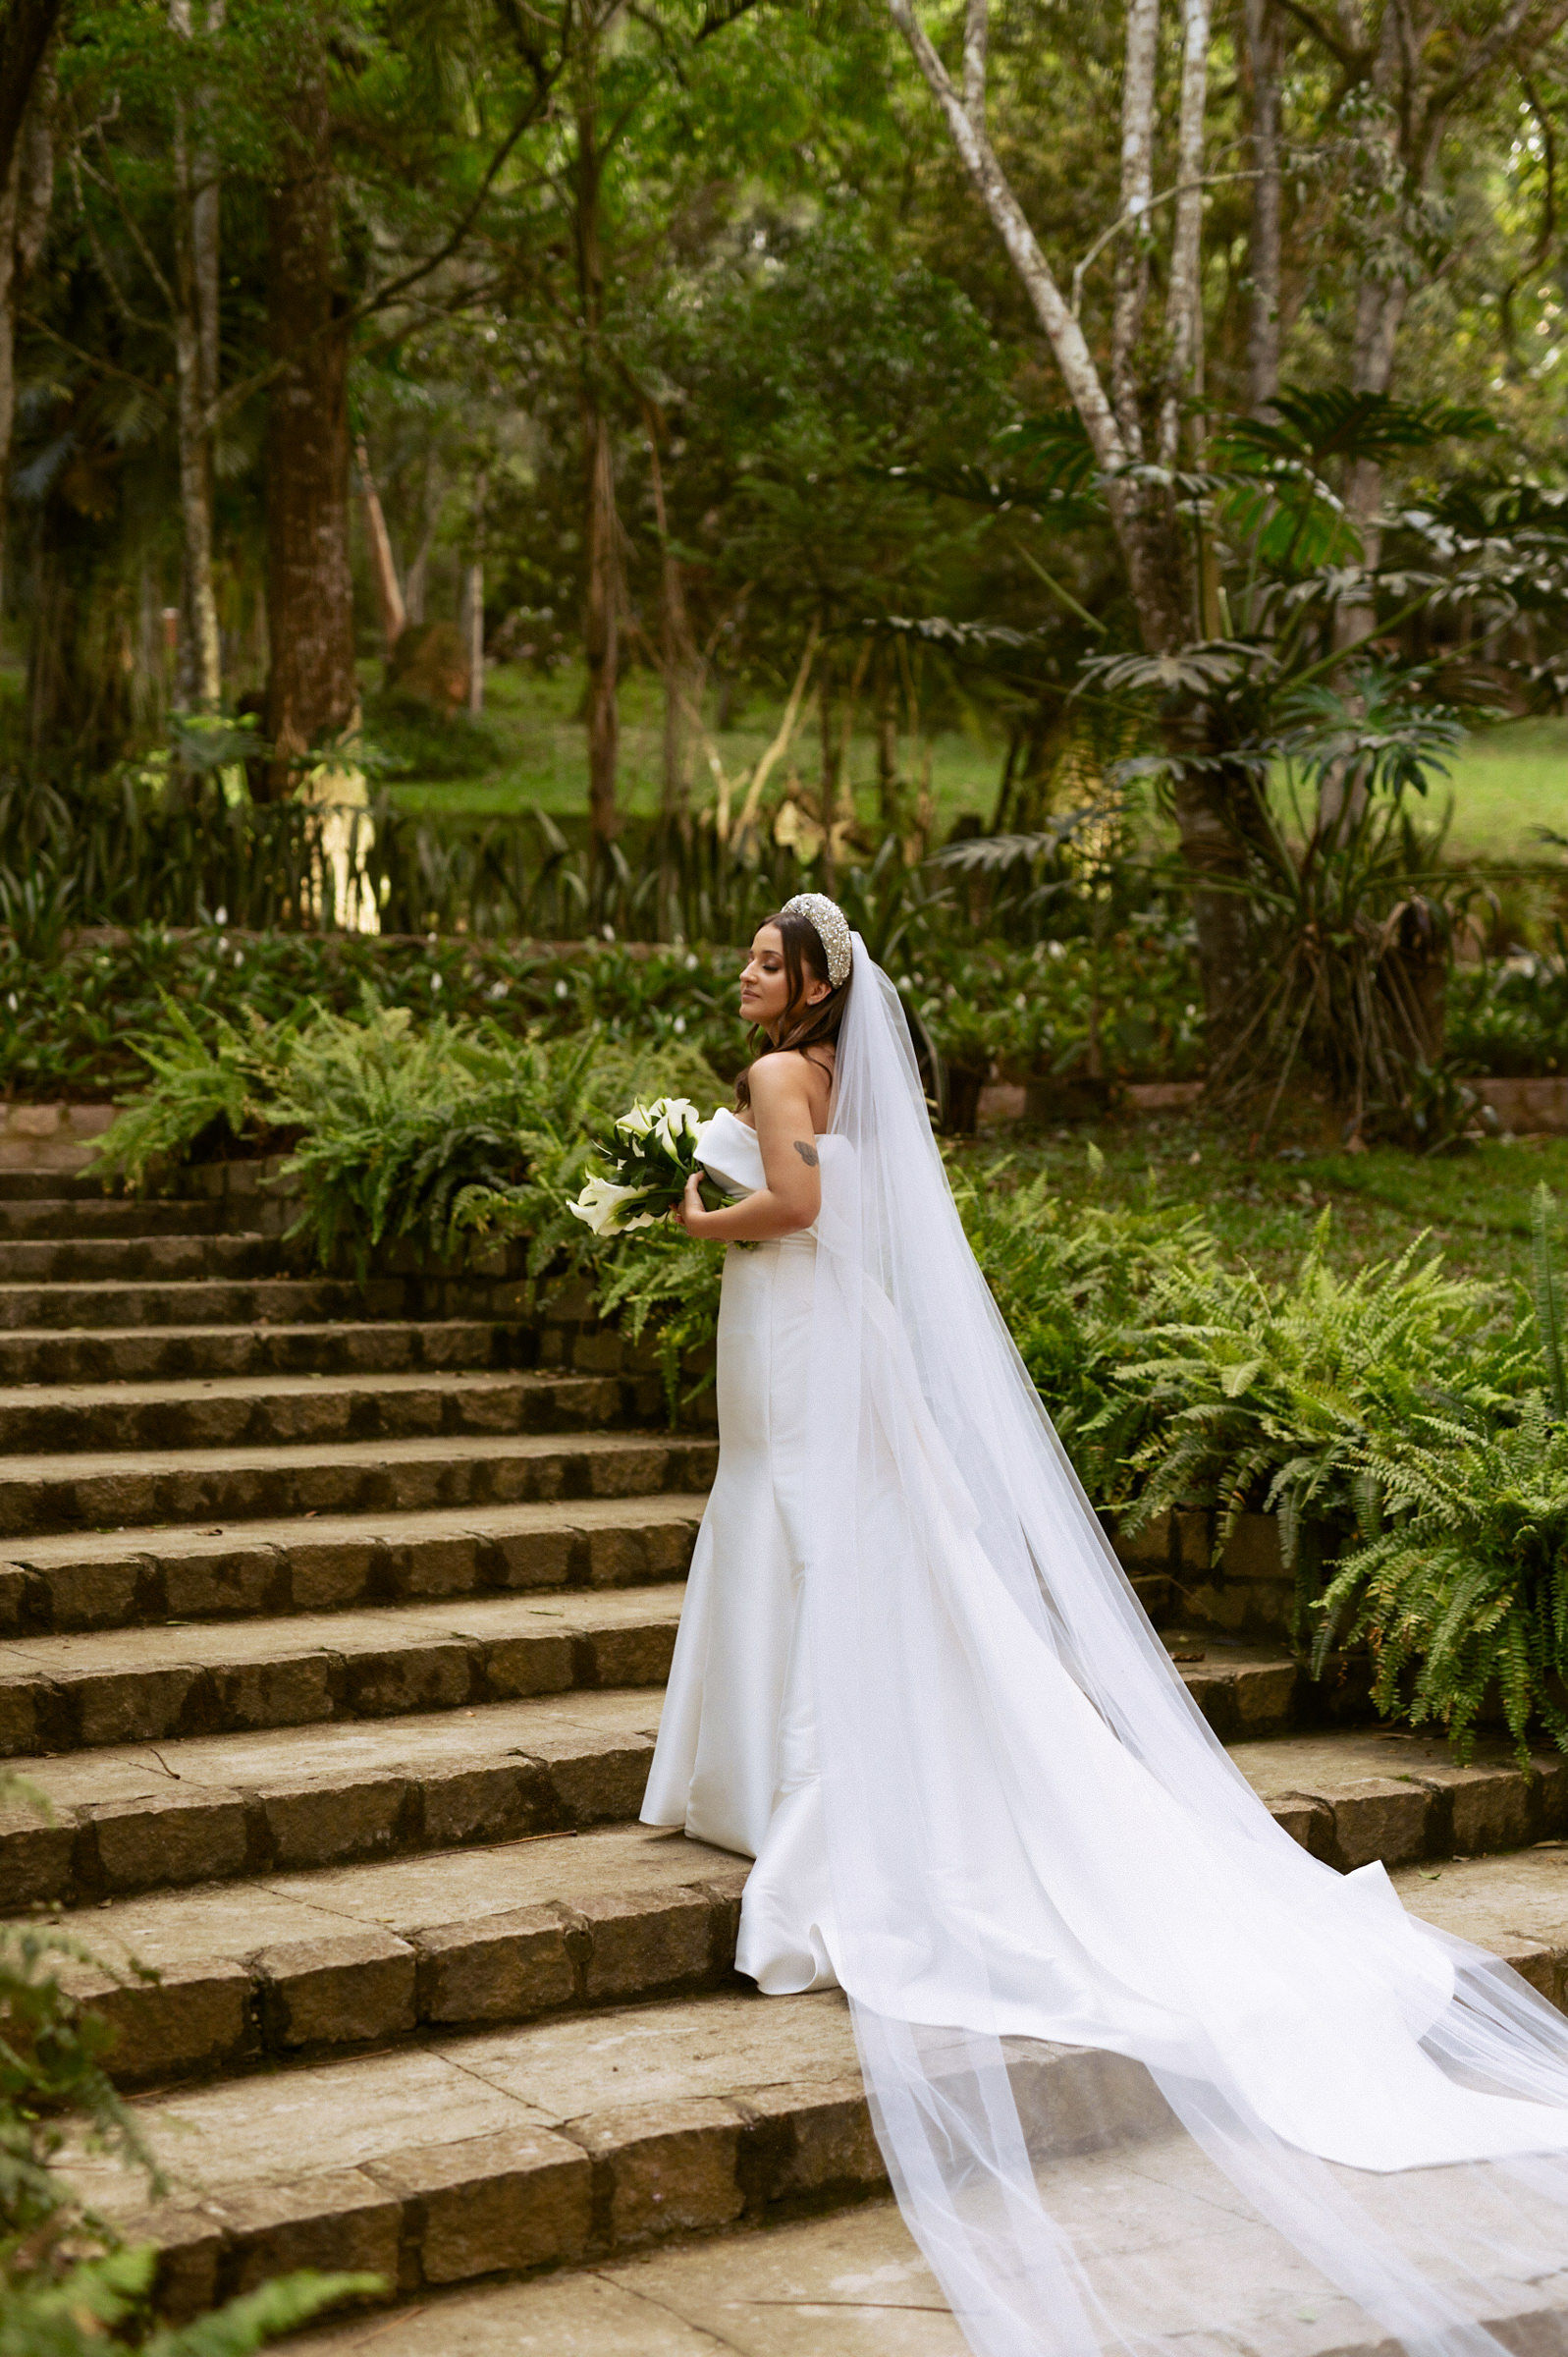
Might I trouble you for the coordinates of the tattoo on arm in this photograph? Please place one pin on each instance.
(807, 1154)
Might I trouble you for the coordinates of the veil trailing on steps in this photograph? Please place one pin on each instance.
(1142, 2069)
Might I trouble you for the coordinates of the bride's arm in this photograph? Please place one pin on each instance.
(780, 1104)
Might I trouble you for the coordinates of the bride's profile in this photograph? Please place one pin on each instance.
(913, 1684)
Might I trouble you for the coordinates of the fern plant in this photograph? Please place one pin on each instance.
(209, 1086)
(1265, 1396)
(1460, 1585)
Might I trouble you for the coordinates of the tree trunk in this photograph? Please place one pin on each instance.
(198, 685)
(393, 614)
(1208, 820)
(312, 694)
(601, 642)
(1137, 188)
(25, 194)
(26, 28)
(1262, 246)
(1184, 288)
(677, 659)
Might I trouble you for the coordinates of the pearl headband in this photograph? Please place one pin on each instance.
(832, 929)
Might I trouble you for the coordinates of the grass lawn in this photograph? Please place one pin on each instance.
(1475, 1203)
(528, 752)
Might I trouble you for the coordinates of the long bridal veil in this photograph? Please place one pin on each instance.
(1142, 2069)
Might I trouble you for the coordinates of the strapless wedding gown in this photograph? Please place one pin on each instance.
(735, 1762)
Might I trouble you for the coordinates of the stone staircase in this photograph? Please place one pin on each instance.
(333, 1622)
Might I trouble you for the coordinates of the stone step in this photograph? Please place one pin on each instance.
(208, 1808)
(89, 1260)
(308, 1964)
(299, 1410)
(174, 1353)
(145, 1686)
(49, 1185)
(571, 2137)
(200, 1808)
(65, 1218)
(518, 2148)
(853, 2284)
(225, 1485)
(63, 1693)
(287, 1965)
(195, 1301)
(319, 1563)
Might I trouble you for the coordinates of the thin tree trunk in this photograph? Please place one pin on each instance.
(25, 197)
(1264, 49)
(1212, 845)
(198, 685)
(677, 657)
(393, 614)
(312, 692)
(1184, 288)
(601, 605)
(1131, 294)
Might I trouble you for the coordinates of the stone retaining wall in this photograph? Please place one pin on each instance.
(50, 1137)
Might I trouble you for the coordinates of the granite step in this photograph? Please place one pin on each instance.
(177, 1354)
(62, 1217)
(285, 1967)
(325, 1563)
(145, 1686)
(853, 2284)
(287, 1411)
(296, 1967)
(580, 2134)
(195, 1301)
(45, 1185)
(200, 1808)
(204, 1808)
(84, 1260)
(224, 1485)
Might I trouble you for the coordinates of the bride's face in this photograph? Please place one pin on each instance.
(765, 982)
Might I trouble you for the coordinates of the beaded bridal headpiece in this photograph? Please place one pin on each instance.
(831, 927)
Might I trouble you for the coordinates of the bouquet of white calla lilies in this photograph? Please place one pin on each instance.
(652, 1155)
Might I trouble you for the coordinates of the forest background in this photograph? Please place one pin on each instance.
(668, 355)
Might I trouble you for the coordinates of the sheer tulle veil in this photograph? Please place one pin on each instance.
(1107, 2008)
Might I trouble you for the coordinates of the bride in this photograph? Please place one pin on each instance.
(913, 1684)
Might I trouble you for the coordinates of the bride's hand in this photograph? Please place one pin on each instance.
(688, 1213)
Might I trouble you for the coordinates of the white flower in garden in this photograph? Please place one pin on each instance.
(220, 916)
(679, 1025)
(435, 982)
(639, 1121)
(691, 962)
(563, 991)
(603, 1207)
(14, 1003)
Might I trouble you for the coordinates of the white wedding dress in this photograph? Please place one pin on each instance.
(912, 1682)
(736, 1761)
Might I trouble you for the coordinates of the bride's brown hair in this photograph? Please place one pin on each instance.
(803, 1028)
